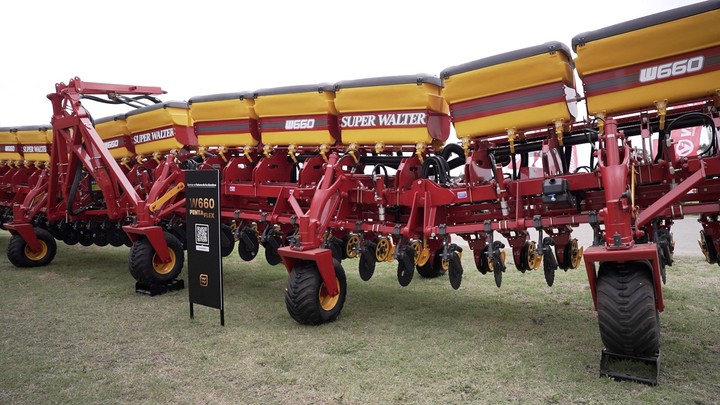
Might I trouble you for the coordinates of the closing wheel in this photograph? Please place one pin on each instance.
(115, 236)
(707, 247)
(273, 242)
(147, 268)
(573, 254)
(481, 261)
(433, 268)
(530, 257)
(383, 250)
(86, 237)
(663, 255)
(350, 245)
(71, 236)
(455, 270)
(248, 245)
(100, 237)
(54, 229)
(406, 265)
(227, 240)
(497, 265)
(19, 253)
(306, 297)
(422, 254)
(366, 266)
(627, 315)
(498, 274)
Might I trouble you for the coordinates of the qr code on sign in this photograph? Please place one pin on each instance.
(202, 234)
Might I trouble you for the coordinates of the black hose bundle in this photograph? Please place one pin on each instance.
(438, 166)
(662, 136)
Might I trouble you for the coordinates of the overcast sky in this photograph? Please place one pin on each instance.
(205, 47)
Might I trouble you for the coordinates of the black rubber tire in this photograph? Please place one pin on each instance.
(302, 295)
(406, 266)
(227, 240)
(498, 274)
(246, 252)
(127, 241)
(141, 264)
(712, 254)
(18, 256)
(337, 251)
(115, 238)
(271, 254)
(455, 271)
(482, 262)
(100, 237)
(366, 263)
(549, 275)
(71, 236)
(86, 237)
(54, 230)
(433, 267)
(366, 268)
(627, 315)
(272, 257)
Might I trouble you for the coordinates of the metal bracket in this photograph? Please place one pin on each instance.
(537, 222)
(592, 218)
(653, 363)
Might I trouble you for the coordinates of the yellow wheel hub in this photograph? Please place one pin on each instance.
(383, 249)
(164, 268)
(36, 255)
(576, 254)
(533, 256)
(328, 302)
(421, 255)
(351, 245)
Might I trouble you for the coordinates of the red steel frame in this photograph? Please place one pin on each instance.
(75, 142)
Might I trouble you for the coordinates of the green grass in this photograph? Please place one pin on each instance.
(76, 331)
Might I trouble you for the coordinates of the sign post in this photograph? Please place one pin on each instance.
(202, 207)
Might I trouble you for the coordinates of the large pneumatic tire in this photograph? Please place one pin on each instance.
(305, 296)
(627, 315)
(145, 267)
(20, 254)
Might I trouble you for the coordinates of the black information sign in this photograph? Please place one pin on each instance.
(202, 205)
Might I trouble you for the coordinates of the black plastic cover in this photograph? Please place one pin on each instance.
(303, 88)
(33, 128)
(389, 80)
(644, 22)
(110, 118)
(547, 47)
(220, 97)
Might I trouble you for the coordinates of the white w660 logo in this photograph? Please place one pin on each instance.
(676, 68)
(300, 124)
